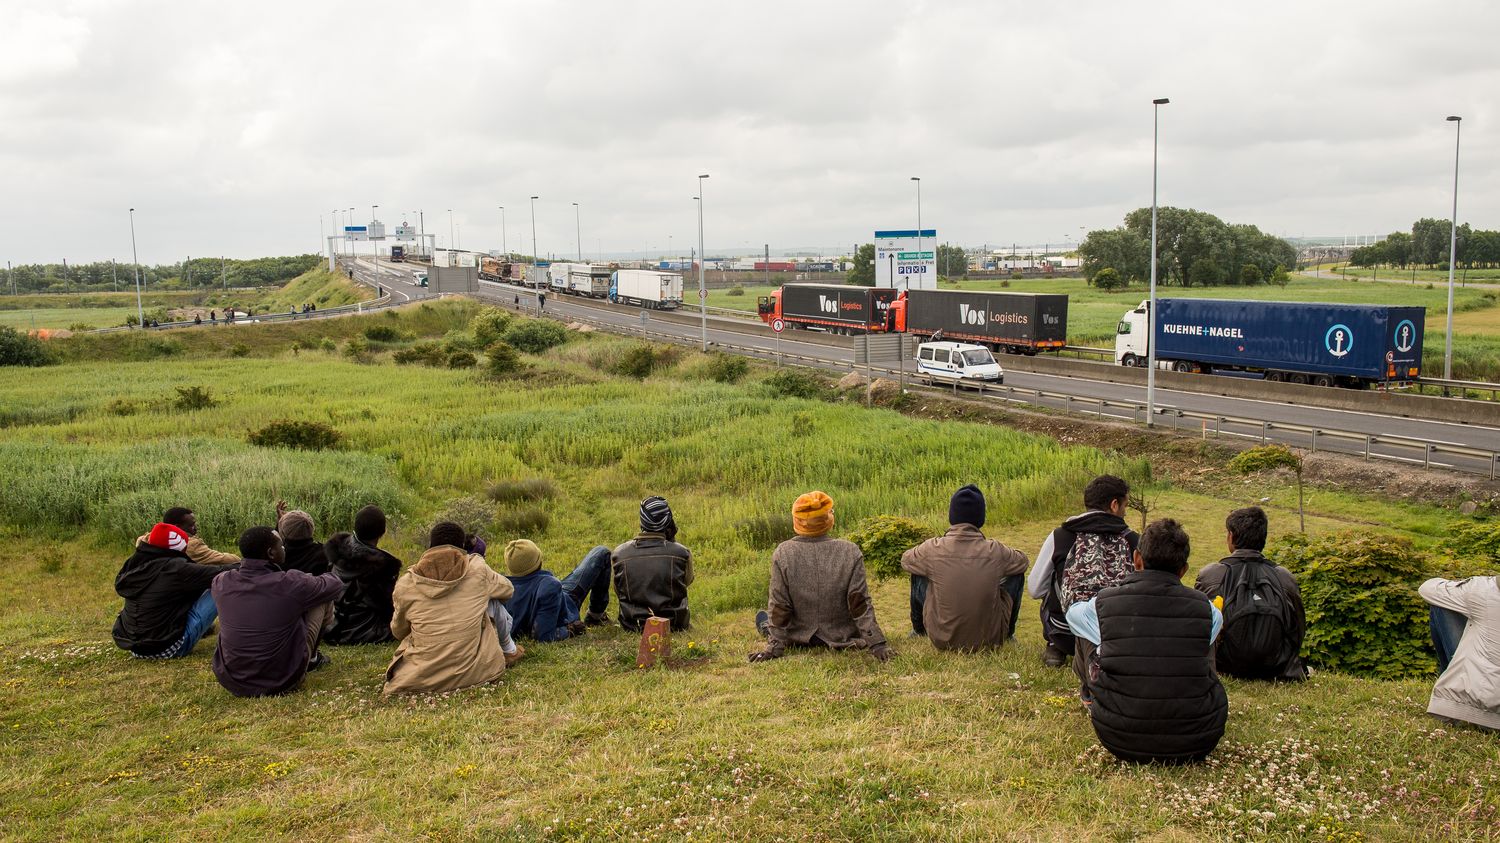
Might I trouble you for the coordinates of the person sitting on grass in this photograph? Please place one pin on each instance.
(303, 552)
(362, 615)
(1465, 620)
(1264, 622)
(451, 620)
(196, 551)
(545, 608)
(652, 571)
(270, 619)
(168, 604)
(1152, 690)
(965, 588)
(818, 595)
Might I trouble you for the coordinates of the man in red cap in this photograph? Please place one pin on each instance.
(168, 606)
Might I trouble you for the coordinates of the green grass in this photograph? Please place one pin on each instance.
(575, 744)
(56, 317)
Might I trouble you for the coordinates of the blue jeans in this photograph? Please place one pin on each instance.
(590, 579)
(1012, 585)
(1447, 630)
(200, 618)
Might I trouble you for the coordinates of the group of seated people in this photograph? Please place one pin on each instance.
(1146, 649)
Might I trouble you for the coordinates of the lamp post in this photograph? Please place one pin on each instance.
(375, 244)
(140, 312)
(702, 290)
(533, 229)
(451, 238)
(578, 229)
(919, 231)
(351, 242)
(1156, 105)
(1452, 251)
(504, 245)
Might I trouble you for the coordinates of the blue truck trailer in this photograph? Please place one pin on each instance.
(1297, 342)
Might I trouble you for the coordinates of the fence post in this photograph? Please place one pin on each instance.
(1493, 457)
(1265, 432)
(1068, 404)
(1427, 456)
(1367, 446)
(1315, 440)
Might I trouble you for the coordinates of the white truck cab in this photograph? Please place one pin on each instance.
(951, 361)
(1132, 337)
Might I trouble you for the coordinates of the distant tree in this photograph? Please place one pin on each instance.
(1109, 280)
(952, 262)
(1124, 251)
(1429, 240)
(1205, 272)
(1250, 274)
(863, 273)
(1280, 277)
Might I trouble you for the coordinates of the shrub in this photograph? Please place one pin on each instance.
(535, 336)
(883, 538)
(1108, 279)
(425, 353)
(796, 383)
(1005, 282)
(382, 333)
(475, 514)
(327, 344)
(357, 350)
(489, 325)
(195, 398)
(1364, 615)
(637, 362)
(736, 290)
(524, 521)
(1263, 458)
(239, 349)
(1471, 549)
(122, 407)
(726, 368)
(79, 327)
(502, 361)
(462, 360)
(155, 347)
(18, 349)
(516, 491)
(300, 435)
(763, 532)
(457, 340)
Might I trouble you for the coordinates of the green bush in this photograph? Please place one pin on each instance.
(383, 333)
(18, 349)
(79, 327)
(502, 361)
(426, 353)
(357, 350)
(524, 522)
(1364, 615)
(327, 344)
(300, 435)
(476, 515)
(462, 360)
(883, 538)
(515, 491)
(535, 336)
(736, 290)
(726, 368)
(195, 398)
(796, 383)
(457, 340)
(1109, 279)
(1471, 549)
(489, 325)
(1263, 458)
(637, 362)
(239, 349)
(122, 407)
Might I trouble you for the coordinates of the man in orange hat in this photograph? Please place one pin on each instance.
(819, 597)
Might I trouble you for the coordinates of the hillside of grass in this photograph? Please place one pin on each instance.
(575, 743)
(316, 286)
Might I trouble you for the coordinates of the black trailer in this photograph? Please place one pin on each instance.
(839, 308)
(1019, 323)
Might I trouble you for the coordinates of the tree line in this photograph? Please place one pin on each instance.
(1427, 245)
(197, 273)
(1194, 248)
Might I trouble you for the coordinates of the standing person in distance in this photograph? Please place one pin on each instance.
(1264, 622)
(652, 571)
(362, 615)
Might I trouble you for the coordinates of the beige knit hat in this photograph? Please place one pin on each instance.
(522, 557)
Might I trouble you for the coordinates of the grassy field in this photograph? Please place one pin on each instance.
(575, 744)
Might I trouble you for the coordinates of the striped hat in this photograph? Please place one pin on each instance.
(168, 536)
(656, 517)
(812, 514)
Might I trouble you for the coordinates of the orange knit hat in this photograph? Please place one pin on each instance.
(812, 514)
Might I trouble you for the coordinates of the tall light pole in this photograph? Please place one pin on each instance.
(533, 229)
(1151, 308)
(578, 229)
(375, 244)
(351, 242)
(140, 312)
(919, 229)
(504, 247)
(702, 290)
(451, 239)
(1452, 251)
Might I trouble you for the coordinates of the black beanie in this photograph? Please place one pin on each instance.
(967, 506)
(369, 523)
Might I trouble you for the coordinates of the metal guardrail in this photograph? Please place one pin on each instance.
(381, 303)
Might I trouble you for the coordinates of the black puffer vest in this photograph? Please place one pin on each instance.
(1156, 695)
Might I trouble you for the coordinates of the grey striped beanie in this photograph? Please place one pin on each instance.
(656, 516)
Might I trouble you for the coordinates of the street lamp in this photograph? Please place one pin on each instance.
(533, 229)
(451, 239)
(919, 231)
(140, 312)
(1151, 308)
(375, 244)
(1452, 251)
(578, 229)
(504, 245)
(702, 290)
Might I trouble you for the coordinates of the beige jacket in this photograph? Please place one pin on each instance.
(1469, 689)
(198, 551)
(447, 638)
(967, 607)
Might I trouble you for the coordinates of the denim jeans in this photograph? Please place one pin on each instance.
(501, 618)
(200, 618)
(590, 579)
(1447, 630)
(919, 584)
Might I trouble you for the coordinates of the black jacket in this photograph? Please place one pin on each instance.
(159, 587)
(1156, 695)
(362, 615)
(307, 556)
(651, 577)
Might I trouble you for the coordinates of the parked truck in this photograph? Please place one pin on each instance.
(495, 269)
(836, 308)
(537, 275)
(646, 288)
(1018, 323)
(1297, 342)
(557, 276)
(589, 281)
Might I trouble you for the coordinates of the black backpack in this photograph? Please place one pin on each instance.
(1257, 641)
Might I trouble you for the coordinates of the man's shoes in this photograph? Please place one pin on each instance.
(917, 633)
(1054, 657)
(763, 623)
(319, 659)
(512, 658)
(596, 619)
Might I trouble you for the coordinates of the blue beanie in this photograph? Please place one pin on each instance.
(967, 506)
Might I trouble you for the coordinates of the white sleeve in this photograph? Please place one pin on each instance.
(1039, 583)
(1449, 594)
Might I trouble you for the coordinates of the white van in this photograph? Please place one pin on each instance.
(950, 361)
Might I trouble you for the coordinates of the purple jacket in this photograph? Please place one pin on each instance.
(262, 647)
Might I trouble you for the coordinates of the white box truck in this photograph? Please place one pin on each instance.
(646, 288)
(558, 273)
(589, 280)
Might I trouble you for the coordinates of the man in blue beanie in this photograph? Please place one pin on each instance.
(965, 588)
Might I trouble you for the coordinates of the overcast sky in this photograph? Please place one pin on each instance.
(231, 127)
